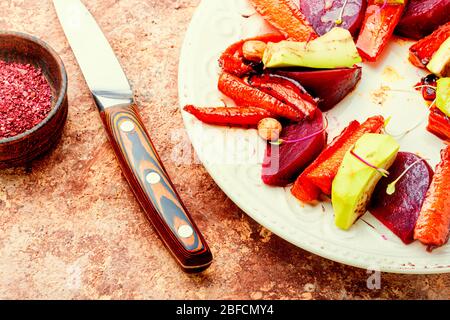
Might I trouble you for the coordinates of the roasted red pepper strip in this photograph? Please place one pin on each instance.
(318, 177)
(439, 124)
(286, 90)
(378, 26)
(286, 17)
(245, 95)
(232, 60)
(422, 52)
(229, 116)
(433, 225)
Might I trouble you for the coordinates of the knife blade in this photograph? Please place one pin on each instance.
(130, 140)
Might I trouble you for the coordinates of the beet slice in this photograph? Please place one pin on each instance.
(282, 164)
(422, 17)
(330, 86)
(324, 14)
(399, 212)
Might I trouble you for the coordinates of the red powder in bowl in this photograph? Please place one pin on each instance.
(25, 98)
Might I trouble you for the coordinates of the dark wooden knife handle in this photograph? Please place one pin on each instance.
(152, 187)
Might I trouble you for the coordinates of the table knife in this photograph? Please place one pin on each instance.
(130, 140)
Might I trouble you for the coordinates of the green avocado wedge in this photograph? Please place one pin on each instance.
(355, 181)
(440, 62)
(443, 95)
(335, 49)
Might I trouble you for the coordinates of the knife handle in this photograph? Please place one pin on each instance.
(152, 187)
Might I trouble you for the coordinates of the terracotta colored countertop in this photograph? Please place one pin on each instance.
(70, 227)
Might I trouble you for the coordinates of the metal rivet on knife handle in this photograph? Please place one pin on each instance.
(127, 126)
(185, 231)
(153, 178)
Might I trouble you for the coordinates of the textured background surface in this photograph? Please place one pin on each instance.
(70, 227)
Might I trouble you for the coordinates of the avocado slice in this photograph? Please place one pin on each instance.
(334, 49)
(443, 95)
(440, 62)
(355, 181)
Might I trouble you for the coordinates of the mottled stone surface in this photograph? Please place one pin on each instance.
(70, 227)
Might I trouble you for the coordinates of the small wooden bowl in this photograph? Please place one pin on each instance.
(22, 149)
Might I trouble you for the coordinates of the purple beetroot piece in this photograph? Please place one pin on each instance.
(323, 14)
(330, 86)
(422, 17)
(283, 163)
(399, 212)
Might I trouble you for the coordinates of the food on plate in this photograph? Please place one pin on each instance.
(421, 52)
(281, 84)
(433, 225)
(269, 129)
(428, 87)
(439, 124)
(443, 95)
(301, 143)
(422, 17)
(433, 52)
(253, 50)
(233, 60)
(286, 17)
(440, 62)
(318, 177)
(438, 91)
(286, 90)
(229, 116)
(325, 15)
(245, 95)
(398, 198)
(335, 49)
(329, 86)
(359, 173)
(378, 26)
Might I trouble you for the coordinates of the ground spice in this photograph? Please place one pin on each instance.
(25, 98)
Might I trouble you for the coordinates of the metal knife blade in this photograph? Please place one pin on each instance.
(101, 68)
(137, 156)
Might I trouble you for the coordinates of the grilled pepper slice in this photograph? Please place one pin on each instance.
(421, 53)
(245, 95)
(439, 124)
(286, 90)
(318, 177)
(378, 26)
(286, 17)
(229, 116)
(433, 225)
(232, 59)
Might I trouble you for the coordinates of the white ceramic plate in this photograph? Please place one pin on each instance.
(233, 156)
